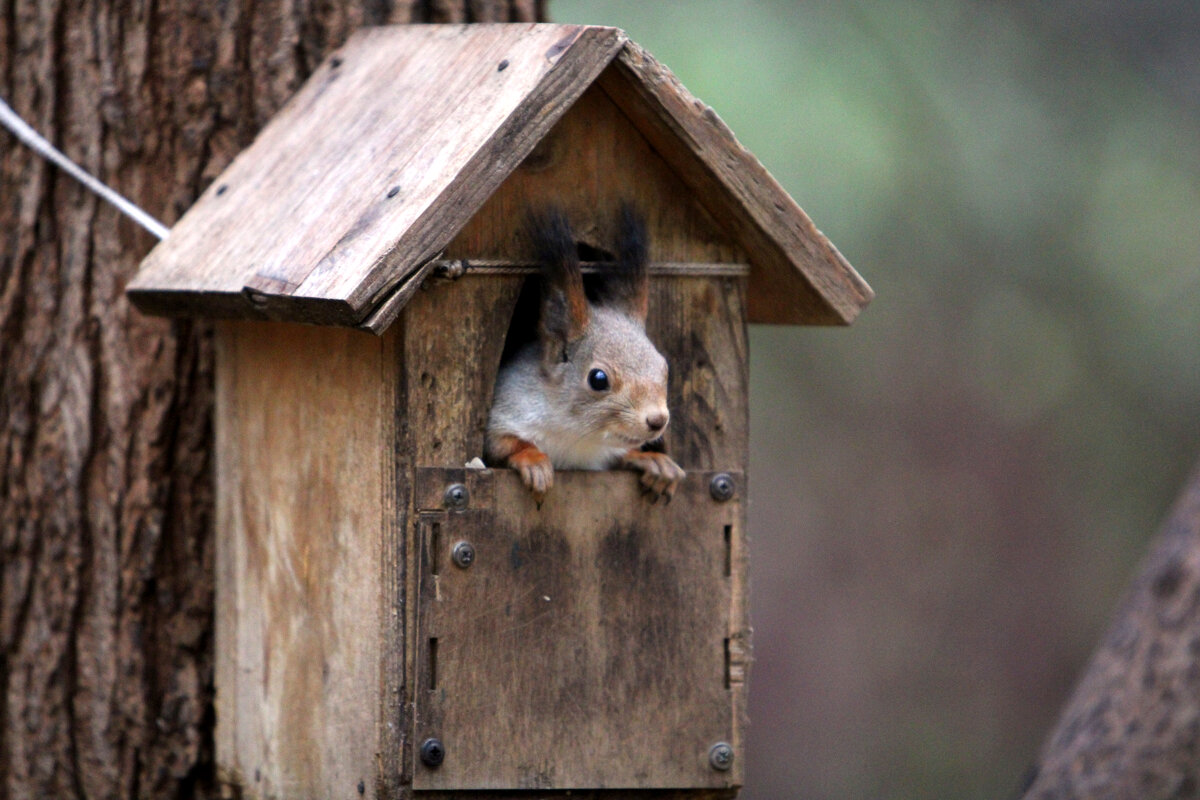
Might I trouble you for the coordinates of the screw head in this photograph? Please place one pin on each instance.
(720, 756)
(463, 554)
(456, 497)
(722, 487)
(433, 752)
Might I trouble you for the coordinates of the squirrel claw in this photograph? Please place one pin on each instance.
(536, 471)
(660, 475)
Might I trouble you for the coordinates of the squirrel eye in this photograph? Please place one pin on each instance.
(598, 380)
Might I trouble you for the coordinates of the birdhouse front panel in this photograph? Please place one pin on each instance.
(585, 643)
(662, 586)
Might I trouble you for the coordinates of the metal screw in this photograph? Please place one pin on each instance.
(463, 554)
(433, 752)
(722, 487)
(456, 497)
(720, 755)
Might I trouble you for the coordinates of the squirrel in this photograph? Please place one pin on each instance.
(591, 392)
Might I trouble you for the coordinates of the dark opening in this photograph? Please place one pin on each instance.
(522, 329)
(727, 665)
(728, 550)
(435, 547)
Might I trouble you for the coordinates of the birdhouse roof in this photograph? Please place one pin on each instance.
(338, 210)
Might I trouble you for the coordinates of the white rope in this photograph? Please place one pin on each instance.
(48, 151)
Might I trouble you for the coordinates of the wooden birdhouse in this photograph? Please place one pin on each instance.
(390, 621)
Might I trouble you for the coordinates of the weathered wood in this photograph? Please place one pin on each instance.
(586, 645)
(371, 167)
(453, 339)
(419, 398)
(805, 279)
(1132, 725)
(321, 435)
(304, 465)
(699, 325)
(589, 163)
(376, 165)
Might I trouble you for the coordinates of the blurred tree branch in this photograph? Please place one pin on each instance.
(1132, 726)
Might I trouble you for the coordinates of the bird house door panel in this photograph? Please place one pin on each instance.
(583, 644)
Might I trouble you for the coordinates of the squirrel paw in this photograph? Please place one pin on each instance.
(531, 464)
(660, 475)
(535, 470)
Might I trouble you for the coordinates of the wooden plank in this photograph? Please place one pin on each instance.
(585, 646)
(455, 268)
(303, 446)
(393, 684)
(699, 325)
(589, 163)
(453, 339)
(804, 279)
(369, 170)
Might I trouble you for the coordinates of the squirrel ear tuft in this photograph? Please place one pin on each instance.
(564, 315)
(626, 285)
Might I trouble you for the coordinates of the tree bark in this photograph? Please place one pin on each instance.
(106, 564)
(1132, 727)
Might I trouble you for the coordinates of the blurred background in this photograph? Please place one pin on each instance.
(950, 496)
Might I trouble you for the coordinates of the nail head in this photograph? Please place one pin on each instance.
(720, 756)
(457, 497)
(463, 554)
(433, 753)
(722, 487)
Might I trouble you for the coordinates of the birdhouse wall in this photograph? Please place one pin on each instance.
(326, 605)
(308, 663)
(590, 162)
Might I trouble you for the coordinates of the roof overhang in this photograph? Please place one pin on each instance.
(336, 212)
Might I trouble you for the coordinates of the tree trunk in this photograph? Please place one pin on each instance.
(1132, 727)
(106, 563)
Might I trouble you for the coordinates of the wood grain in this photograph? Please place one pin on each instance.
(327, 440)
(589, 163)
(323, 439)
(453, 340)
(383, 159)
(699, 325)
(367, 172)
(585, 647)
(303, 455)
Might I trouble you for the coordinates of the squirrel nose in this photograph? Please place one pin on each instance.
(657, 421)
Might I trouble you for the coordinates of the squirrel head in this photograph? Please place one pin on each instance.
(595, 356)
